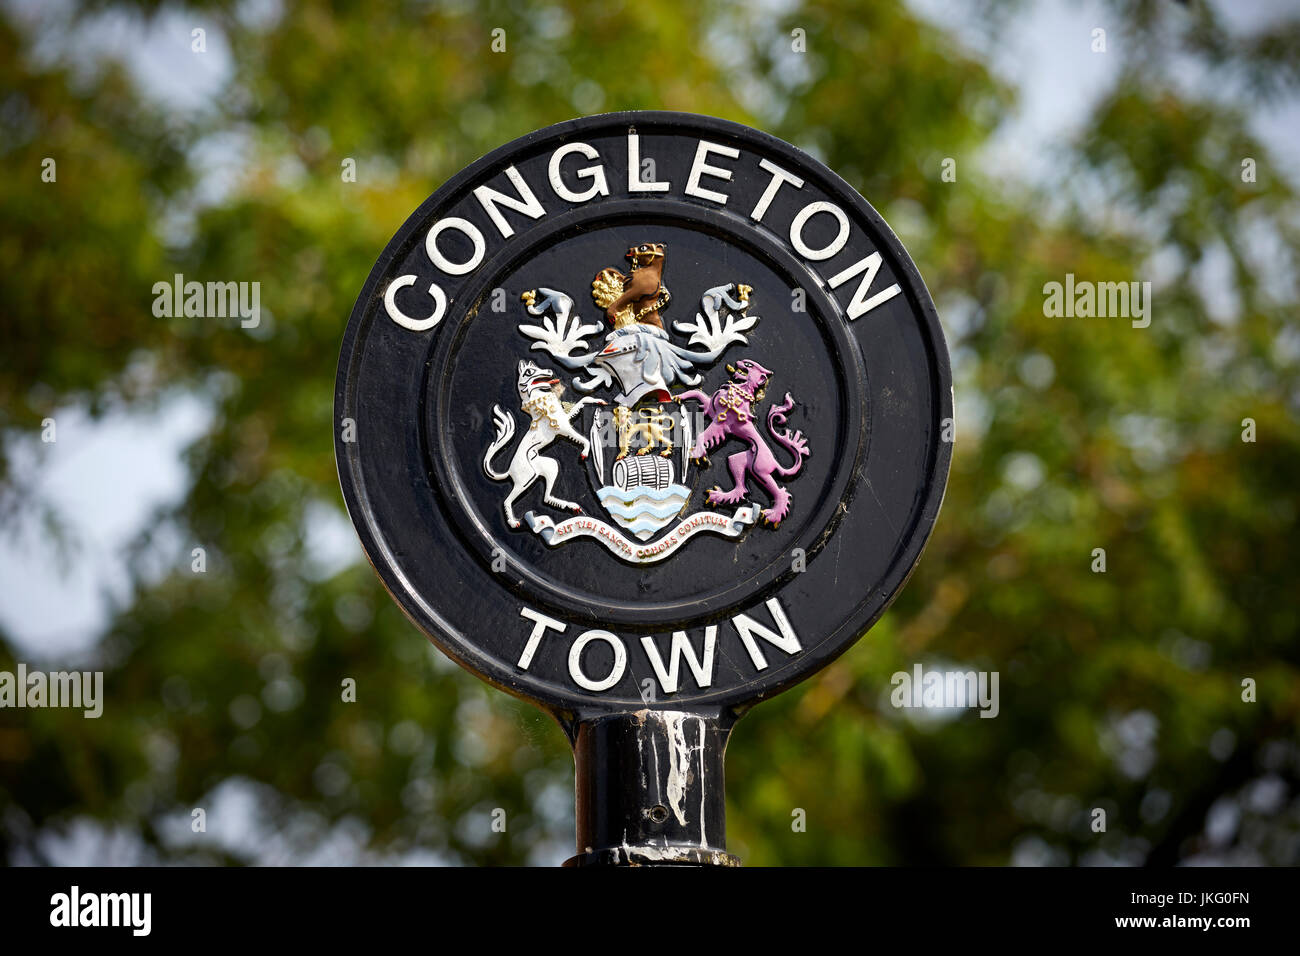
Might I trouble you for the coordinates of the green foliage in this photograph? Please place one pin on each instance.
(1073, 434)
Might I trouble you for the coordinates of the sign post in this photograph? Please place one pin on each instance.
(644, 418)
(650, 789)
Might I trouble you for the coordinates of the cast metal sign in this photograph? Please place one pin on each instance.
(641, 418)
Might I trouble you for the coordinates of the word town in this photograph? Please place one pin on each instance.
(683, 649)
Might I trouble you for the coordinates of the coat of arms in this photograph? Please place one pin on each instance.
(641, 444)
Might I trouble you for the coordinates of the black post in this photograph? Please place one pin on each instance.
(650, 789)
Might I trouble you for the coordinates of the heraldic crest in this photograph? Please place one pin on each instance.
(639, 445)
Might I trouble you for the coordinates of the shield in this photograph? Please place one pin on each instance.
(640, 467)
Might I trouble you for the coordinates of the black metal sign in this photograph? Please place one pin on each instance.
(644, 418)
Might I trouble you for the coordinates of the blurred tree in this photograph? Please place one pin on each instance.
(1120, 690)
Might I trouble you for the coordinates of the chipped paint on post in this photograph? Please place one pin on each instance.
(638, 808)
(679, 756)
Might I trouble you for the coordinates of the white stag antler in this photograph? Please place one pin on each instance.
(711, 328)
(559, 333)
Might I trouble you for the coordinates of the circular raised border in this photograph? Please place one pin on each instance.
(875, 598)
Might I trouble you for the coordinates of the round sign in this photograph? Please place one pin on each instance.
(644, 408)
